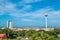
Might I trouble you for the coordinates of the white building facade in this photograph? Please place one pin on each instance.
(9, 24)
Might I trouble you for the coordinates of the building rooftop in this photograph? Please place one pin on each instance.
(2, 35)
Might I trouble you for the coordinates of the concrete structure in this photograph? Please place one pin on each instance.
(46, 21)
(9, 24)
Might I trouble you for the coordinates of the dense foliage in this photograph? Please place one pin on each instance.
(31, 34)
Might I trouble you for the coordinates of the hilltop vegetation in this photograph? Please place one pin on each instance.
(31, 34)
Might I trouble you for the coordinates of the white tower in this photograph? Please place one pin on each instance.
(9, 24)
(46, 21)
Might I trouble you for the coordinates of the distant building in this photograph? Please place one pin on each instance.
(37, 29)
(9, 24)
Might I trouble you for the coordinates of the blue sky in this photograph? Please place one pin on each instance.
(30, 13)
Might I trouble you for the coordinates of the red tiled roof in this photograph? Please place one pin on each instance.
(2, 35)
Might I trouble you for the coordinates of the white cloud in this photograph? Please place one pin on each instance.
(35, 14)
(2, 10)
(4, 6)
(11, 8)
(24, 2)
(29, 20)
(31, 1)
(7, 8)
(54, 14)
(26, 7)
(40, 13)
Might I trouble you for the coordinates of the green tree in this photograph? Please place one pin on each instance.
(18, 38)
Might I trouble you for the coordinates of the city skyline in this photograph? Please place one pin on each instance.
(30, 12)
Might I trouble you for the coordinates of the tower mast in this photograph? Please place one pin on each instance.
(46, 21)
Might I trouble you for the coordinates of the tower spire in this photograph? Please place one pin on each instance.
(46, 15)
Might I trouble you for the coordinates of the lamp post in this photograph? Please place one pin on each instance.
(46, 21)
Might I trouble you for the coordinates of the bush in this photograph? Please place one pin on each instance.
(18, 38)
